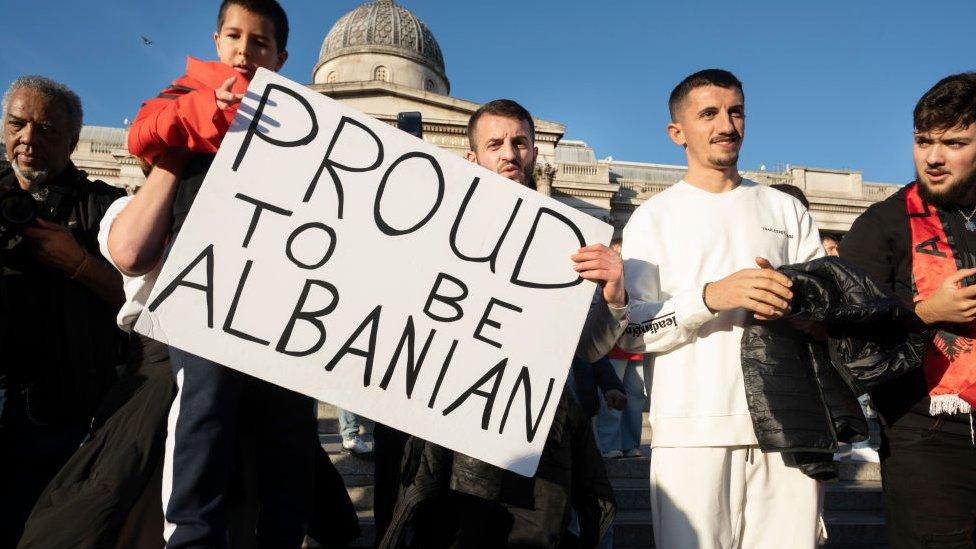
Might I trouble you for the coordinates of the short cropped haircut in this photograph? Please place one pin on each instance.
(793, 191)
(52, 90)
(265, 8)
(500, 107)
(949, 104)
(708, 77)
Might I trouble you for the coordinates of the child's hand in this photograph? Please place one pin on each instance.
(225, 97)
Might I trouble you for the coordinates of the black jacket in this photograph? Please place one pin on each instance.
(59, 342)
(588, 379)
(802, 392)
(453, 500)
(879, 243)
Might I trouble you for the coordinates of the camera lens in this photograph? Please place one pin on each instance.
(18, 208)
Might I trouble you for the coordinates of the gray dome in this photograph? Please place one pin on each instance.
(383, 27)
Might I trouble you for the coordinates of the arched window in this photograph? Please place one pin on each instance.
(332, 78)
(429, 85)
(380, 73)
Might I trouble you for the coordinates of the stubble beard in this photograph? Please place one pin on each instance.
(725, 161)
(951, 197)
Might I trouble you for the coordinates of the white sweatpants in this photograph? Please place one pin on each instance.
(731, 498)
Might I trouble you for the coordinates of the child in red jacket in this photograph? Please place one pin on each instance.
(180, 130)
(194, 112)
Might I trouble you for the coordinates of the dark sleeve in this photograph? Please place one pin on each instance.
(869, 244)
(606, 378)
(96, 197)
(601, 330)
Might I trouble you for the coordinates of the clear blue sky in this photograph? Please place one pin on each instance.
(828, 83)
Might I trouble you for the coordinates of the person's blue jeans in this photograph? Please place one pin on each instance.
(348, 424)
(621, 429)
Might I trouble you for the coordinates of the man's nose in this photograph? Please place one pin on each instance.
(508, 151)
(935, 156)
(28, 134)
(726, 123)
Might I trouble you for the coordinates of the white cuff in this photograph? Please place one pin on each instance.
(690, 310)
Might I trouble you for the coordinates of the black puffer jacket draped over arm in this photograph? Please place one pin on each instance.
(802, 390)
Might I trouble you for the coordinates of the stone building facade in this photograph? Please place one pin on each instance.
(381, 59)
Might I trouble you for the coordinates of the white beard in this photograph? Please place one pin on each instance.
(33, 177)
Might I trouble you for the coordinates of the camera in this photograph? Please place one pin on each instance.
(18, 209)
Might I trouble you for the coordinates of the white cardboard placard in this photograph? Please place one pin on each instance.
(334, 255)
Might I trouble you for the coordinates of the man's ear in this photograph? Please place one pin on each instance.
(471, 156)
(676, 134)
(216, 42)
(282, 57)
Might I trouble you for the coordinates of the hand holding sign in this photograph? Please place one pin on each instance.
(604, 266)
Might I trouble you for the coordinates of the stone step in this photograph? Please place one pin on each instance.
(853, 495)
(846, 529)
(855, 529)
(361, 468)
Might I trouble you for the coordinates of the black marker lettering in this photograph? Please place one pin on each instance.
(413, 368)
(528, 242)
(328, 252)
(451, 301)
(330, 165)
(443, 372)
(312, 317)
(233, 309)
(485, 320)
(493, 256)
(530, 426)
(180, 280)
(372, 320)
(496, 372)
(259, 206)
(253, 130)
(378, 214)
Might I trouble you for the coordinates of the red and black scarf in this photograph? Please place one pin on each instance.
(950, 362)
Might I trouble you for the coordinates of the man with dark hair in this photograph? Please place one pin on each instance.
(708, 77)
(59, 345)
(920, 244)
(497, 119)
(687, 252)
(831, 245)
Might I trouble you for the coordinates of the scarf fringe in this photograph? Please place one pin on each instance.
(948, 404)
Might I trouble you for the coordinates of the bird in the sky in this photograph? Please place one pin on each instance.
(147, 41)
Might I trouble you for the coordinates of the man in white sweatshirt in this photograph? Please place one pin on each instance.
(699, 261)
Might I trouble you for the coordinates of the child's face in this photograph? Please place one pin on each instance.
(246, 41)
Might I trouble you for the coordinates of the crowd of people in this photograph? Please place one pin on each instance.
(721, 313)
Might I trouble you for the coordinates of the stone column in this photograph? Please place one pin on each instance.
(544, 174)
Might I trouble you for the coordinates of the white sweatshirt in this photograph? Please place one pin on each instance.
(674, 243)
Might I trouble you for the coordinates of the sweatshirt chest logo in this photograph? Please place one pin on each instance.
(781, 232)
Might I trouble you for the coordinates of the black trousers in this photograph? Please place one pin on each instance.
(929, 479)
(388, 446)
(30, 456)
(210, 403)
